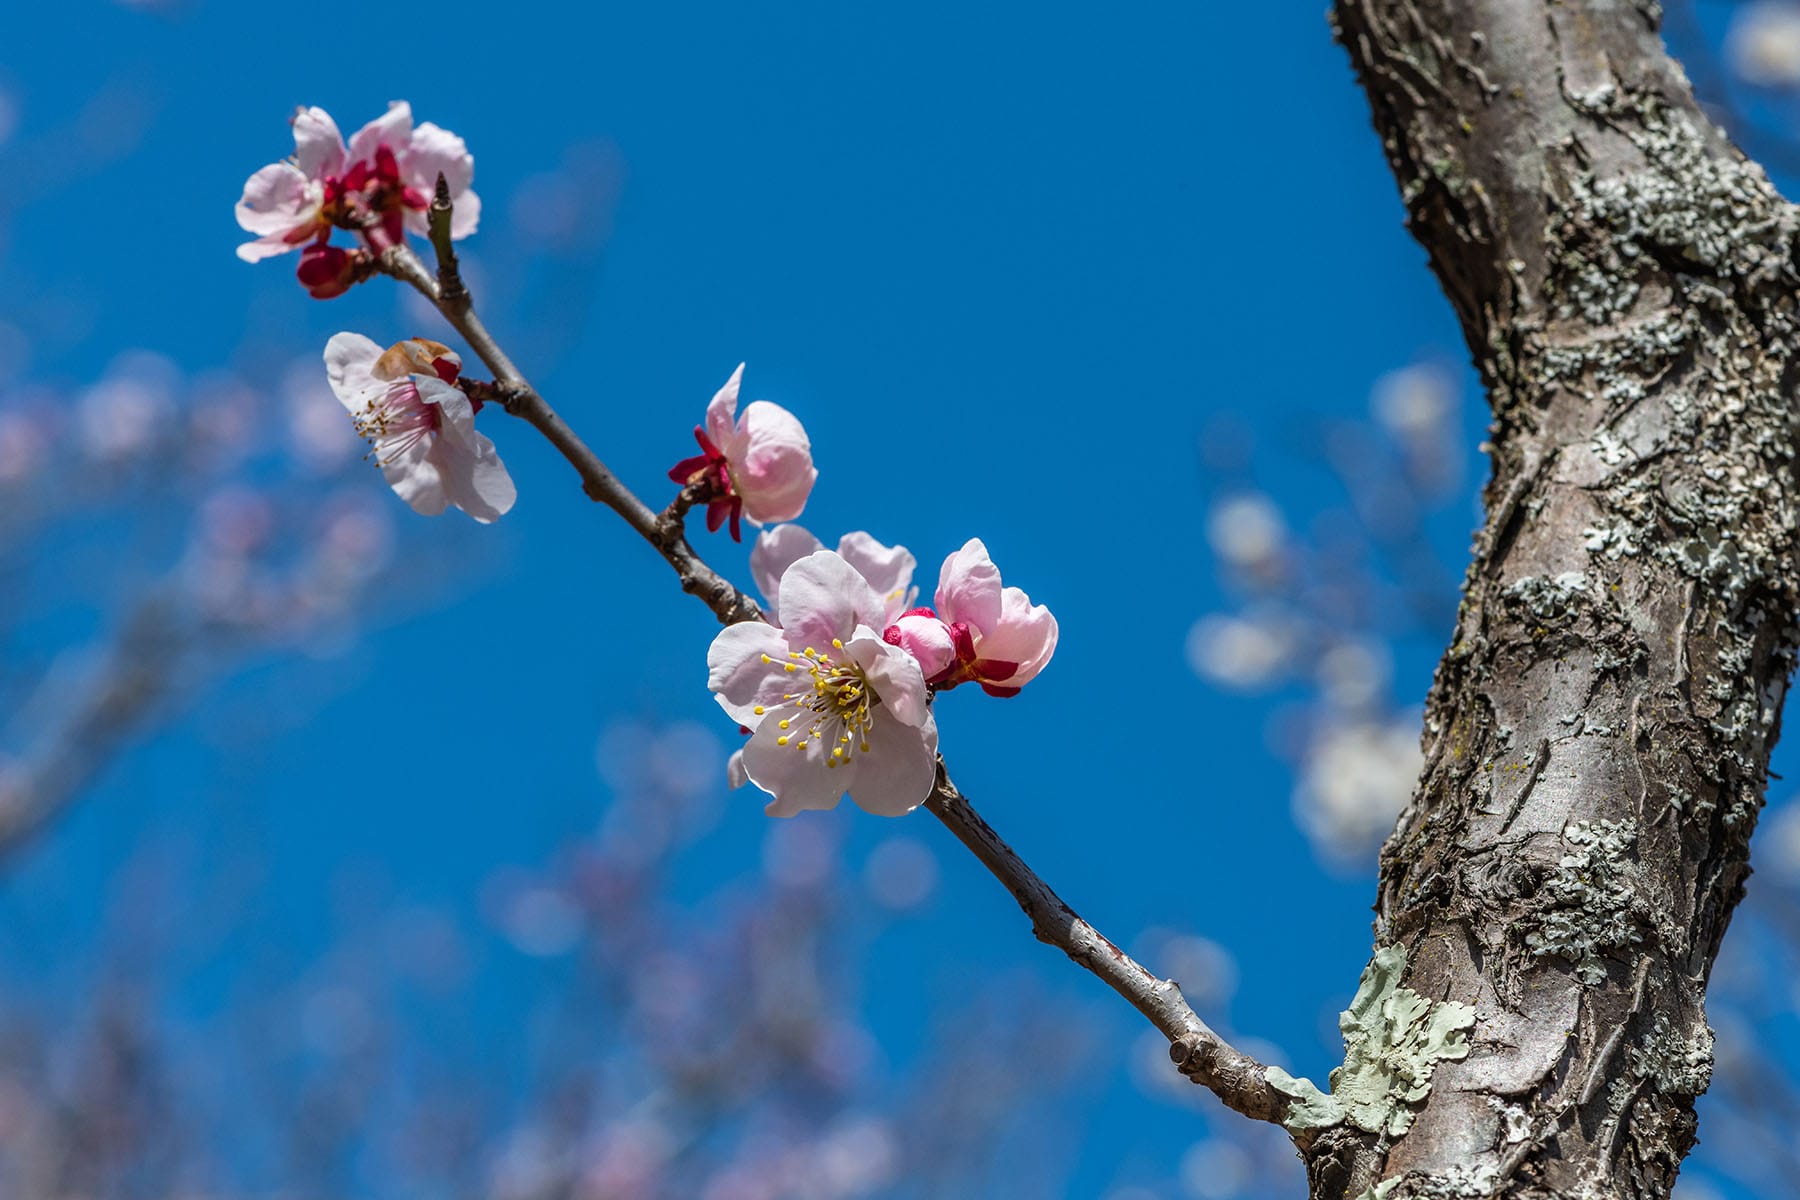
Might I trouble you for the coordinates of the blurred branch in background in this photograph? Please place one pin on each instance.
(706, 1049)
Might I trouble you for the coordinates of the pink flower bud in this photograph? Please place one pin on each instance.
(1001, 640)
(326, 270)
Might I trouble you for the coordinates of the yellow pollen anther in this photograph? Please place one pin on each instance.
(787, 666)
(781, 741)
(767, 659)
(837, 752)
(758, 710)
(837, 643)
(785, 722)
(811, 653)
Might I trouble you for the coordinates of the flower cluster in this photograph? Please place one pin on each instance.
(980, 632)
(835, 688)
(831, 706)
(378, 186)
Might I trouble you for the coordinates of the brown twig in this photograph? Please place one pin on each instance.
(450, 285)
(1198, 1051)
(523, 401)
(1201, 1054)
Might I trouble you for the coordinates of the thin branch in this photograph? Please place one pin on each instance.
(451, 291)
(522, 400)
(1197, 1050)
(135, 677)
(1202, 1055)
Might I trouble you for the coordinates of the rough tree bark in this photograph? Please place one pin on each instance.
(1598, 734)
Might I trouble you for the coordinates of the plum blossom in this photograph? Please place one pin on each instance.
(379, 185)
(888, 569)
(759, 464)
(422, 427)
(981, 632)
(832, 708)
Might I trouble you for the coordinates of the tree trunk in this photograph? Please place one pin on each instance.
(1597, 738)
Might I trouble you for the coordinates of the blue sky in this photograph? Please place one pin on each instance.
(1005, 262)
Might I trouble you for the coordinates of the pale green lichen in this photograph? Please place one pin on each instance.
(1592, 903)
(1393, 1040)
(1311, 1108)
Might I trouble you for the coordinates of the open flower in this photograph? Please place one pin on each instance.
(379, 185)
(981, 632)
(888, 569)
(422, 427)
(760, 464)
(831, 707)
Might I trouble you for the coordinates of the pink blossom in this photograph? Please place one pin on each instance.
(760, 463)
(831, 707)
(379, 185)
(888, 569)
(403, 400)
(981, 632)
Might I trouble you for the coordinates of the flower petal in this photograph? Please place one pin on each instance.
(771, 462)
(1025, 634)
(895, 675)
(318, 146)
(735, 775)
(896, 773)
(795, 774)
(471, 473)
(393, 129)
(823, 599)
(735, 669)
(415, 479)
(925, 638)
(435, 150)
(969, 587)
(721, 412)
(775, 551)
(889, 570)
(277, 200)
(349, 366)
(451, 400)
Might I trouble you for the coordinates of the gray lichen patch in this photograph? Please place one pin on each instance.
(1548, 599)
(1592, 903)
(1675, 1064)
(1393, 1040)
(1461, 1182)
(1686, 208)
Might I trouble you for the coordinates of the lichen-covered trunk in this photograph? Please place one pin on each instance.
(1598, 735)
